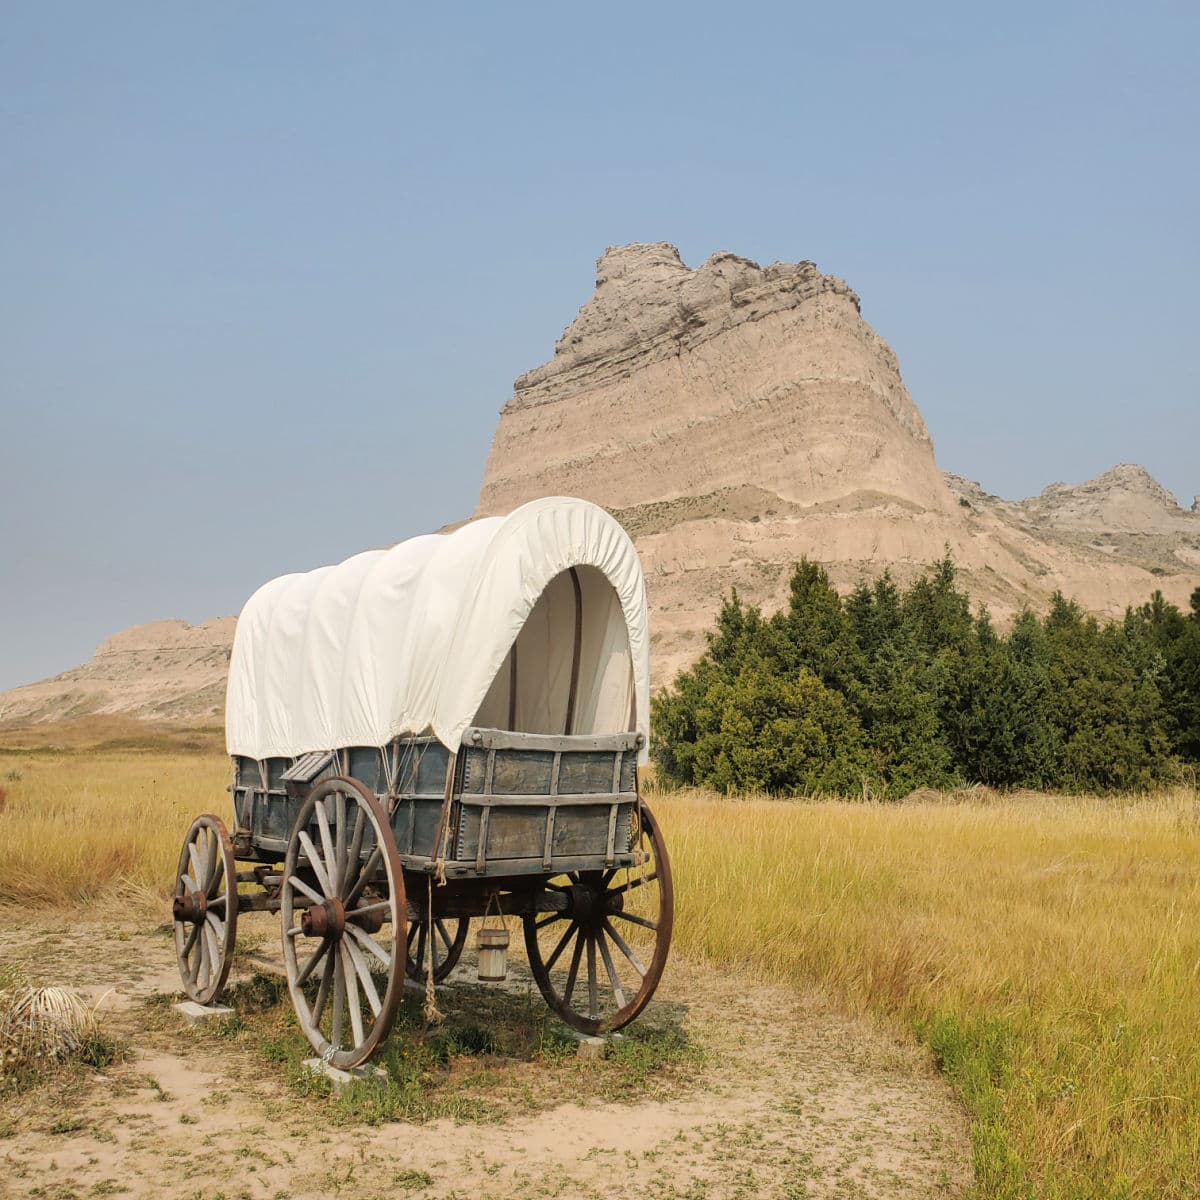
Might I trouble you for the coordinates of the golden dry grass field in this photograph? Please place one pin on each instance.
(1047, 949)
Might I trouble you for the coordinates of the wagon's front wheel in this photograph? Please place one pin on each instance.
(598, 960)
(449, 938)
(205, 909)
(344, 913)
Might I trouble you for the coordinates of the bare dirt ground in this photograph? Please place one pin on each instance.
(787, 1099)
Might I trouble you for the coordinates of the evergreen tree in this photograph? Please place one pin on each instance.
(907, 689)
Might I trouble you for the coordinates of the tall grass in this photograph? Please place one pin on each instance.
(1047, 949)
(79, 825)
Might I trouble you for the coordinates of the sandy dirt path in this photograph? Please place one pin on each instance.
(792, 1100)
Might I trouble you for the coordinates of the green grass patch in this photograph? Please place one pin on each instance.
(498, 1052)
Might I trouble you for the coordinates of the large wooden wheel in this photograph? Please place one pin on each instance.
(598, 961)
(343, 914)
(449, 938)
(205, 919)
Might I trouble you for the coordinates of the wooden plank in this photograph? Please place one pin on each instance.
(521, 772)
(513, 867)
(547, 849)
(507, 739)
(481, 852)
(612, 835)
(531, 800)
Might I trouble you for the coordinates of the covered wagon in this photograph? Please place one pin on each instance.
(430, 733)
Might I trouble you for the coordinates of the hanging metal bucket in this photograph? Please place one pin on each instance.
(492, 945)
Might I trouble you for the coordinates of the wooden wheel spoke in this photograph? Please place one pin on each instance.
(447, 941)
(213, 950)
(194, 968)
(191, 940)
(192, 886)
(593, 998)
(339, 844)
(368, 943)
(574, 971)
(634, 919)
(618, 992)
(350, 874)
(413, 929)
(301, 886)
(308, 968)
(314, 861)
(623, 946)
(197, 873)
(353, 1003)
(329, 855)
(318, 1008)
(339, 998)
(364, 976)
(212, 863)
(364, 910)
(216, 924)
(554, 916)
(640, 881)
(421, 934)
(374, 859)
(561, 946)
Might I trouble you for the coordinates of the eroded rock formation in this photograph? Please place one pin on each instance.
(736, 417)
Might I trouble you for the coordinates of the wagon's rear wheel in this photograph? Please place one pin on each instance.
(343, 913)
(449, 938)
(598, 962)
(205, 908)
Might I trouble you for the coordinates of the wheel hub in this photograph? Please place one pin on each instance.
(327, 920)
(190, 907)
(589, 903)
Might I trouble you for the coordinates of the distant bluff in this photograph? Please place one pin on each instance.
(675, 383)
(737, 417)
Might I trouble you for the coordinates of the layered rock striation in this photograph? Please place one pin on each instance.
(165, 670)
(737, 417)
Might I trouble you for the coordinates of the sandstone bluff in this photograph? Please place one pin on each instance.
(734, 418)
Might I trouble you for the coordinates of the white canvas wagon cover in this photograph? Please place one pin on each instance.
(535, 622)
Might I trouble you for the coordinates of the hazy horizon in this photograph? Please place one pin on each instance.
(267, 275)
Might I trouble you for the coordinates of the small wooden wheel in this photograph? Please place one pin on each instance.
(598, 961)
(447, 948)
(343, 914)
(205, 919)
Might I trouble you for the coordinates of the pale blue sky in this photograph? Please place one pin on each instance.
(267, 271)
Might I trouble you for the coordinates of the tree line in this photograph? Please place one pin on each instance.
(890, 689)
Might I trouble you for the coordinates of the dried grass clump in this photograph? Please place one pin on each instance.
(40, 1026)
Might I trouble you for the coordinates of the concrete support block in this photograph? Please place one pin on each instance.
(591, 1047)
(203, 1014)
(343, 1078)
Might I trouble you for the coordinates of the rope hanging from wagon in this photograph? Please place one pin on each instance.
(433, 1015)
(438, 856)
